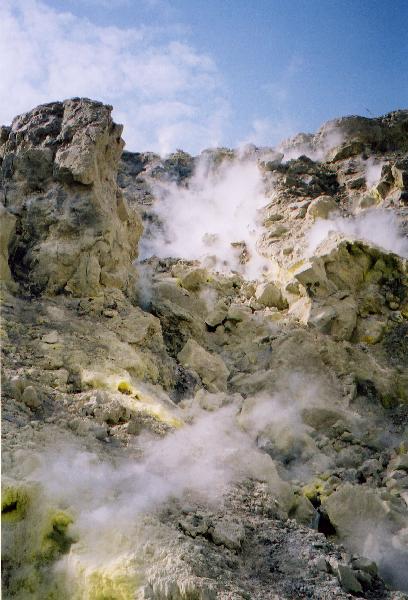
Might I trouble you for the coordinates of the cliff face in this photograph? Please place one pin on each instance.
(73, 230)
(225, 421)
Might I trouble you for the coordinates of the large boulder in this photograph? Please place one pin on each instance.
(346, 289)
(210, 367)
(321, 207)
(269, 295)
(73, 230)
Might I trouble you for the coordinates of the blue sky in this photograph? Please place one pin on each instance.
(194, 73)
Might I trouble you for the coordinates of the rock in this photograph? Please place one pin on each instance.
(277, 231)
(346, 319)
(399, 462)
(238, 312)
(100, 432)
(211, 402)
(320, 564)
(210, 367)
(229, 532)
(348, 579)
(272, 218)
(358, 133)
(113, 413)
(360, 563)
(30, 397)
(7, 228)
(305, 513)
(370, 330)
(51, 338)
(345, 151)
(217, 316)
(340, 283)
(18, 384)
(321, 207)
(269, 295)
(400, 173)
(195, 524)
(80, 244)
(352, 509)
(324, 419)
(194, 279)
(367, 201)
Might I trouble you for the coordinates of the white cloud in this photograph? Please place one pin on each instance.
(165, 92)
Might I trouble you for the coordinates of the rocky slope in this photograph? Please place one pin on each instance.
(221, 423)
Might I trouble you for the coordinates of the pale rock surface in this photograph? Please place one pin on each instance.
(210, 368)
(268, 294)
(75, 232)
(321, 207)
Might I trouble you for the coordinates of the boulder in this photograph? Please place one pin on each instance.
(238, 312)
(400, 174)
(269, 295)
(194, 279)
(228, 532)
(356, 510)
(209, 367)
(30, 397)
(321, 207)
(217, 316)
(370, 330)
(348, 579)
(343, 281)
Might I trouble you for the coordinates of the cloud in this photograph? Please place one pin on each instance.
(165, 92)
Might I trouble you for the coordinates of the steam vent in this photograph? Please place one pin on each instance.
(205, 363)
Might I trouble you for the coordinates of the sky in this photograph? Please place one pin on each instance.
(193, 74)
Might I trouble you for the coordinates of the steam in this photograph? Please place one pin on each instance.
(145, 287)
(110, 498)
(309, 145)
(276, 422)
(379, 227)
(215, 219)
(373, 172)
(199, 461)
(388, 551)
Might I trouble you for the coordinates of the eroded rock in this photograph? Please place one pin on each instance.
(59, 168)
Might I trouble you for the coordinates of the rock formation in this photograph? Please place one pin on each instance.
(74, 231)
(176, 430)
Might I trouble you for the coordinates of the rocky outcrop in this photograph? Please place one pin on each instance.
(73, 230)
(347, 288)
(349, 136)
